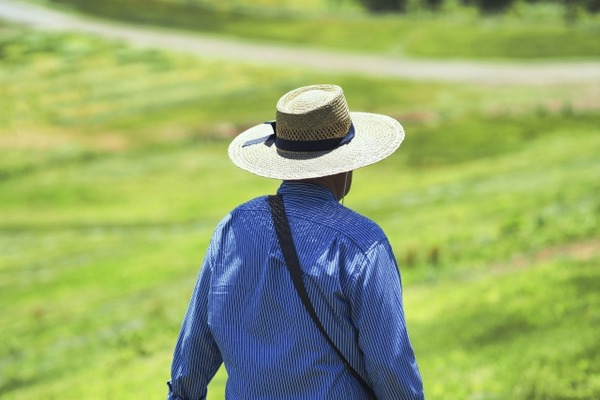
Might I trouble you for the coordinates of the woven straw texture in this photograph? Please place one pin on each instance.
(316, 113)
(313, 113)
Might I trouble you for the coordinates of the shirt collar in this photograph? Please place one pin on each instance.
(305, 192)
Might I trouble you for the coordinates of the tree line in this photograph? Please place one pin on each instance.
(485, 6)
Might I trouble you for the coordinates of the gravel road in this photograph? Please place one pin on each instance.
(207, 46)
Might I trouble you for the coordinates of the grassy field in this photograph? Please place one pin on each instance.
(328, 24)
(114, 172)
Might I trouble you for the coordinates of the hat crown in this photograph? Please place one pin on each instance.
(313, 113)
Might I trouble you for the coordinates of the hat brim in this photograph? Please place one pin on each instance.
(376, 137)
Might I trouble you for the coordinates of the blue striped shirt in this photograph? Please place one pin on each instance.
(246, 313)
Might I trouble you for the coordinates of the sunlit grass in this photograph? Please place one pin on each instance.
(519, 333)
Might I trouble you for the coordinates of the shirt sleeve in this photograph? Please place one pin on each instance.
(378, 313)
(196, 358)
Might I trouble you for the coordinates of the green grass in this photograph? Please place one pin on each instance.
(114, 173)
(521, 333)
(463, 35)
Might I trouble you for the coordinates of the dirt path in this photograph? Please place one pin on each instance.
(231, 49)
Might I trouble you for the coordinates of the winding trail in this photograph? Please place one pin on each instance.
(207, 46)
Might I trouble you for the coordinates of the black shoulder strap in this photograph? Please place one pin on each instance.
(284, 235)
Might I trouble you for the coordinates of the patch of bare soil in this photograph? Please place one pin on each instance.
(577, 251)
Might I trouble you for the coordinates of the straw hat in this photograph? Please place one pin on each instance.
(315, 135)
